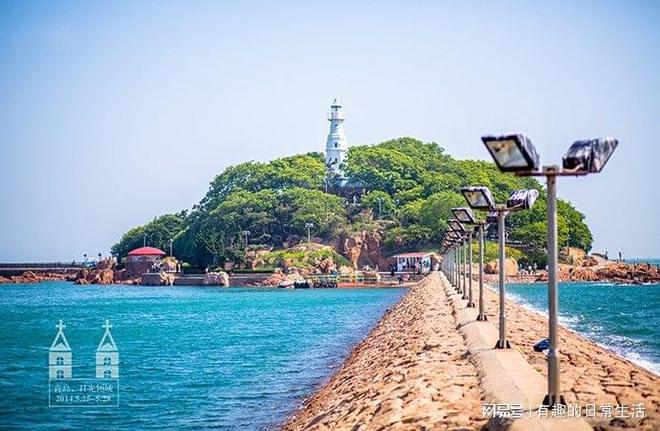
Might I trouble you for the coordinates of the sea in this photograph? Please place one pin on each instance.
(190, 358)
(620, 317)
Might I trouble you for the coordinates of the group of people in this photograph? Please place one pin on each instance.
(527, 270)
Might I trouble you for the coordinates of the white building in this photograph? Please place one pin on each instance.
(336, 146)
(107, 356)
(413, 261)
(59, 355)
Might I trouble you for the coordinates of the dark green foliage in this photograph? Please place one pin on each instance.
(416, 184)
(156, 233)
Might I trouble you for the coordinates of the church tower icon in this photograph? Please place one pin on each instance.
(107, 356)
(59, 355)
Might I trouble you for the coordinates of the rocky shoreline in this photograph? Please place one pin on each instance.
(413, 372)
(610, 272)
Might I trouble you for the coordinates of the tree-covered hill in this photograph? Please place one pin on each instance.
(411, 184)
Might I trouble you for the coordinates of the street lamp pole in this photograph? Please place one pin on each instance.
(502, 343)
(481, 315)
(309, 227)
(246, 234)
(553, 396)
(470, 303)
(458, 266)
(465, 245)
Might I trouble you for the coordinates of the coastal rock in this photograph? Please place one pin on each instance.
(583, 274)
(343, 269)
(219, 278)
(275, 279)
(363, 248)
(169, 264)
(510, 267)
(27, 277)
(106, 264)
(95, 276)
(327, 266)
(572, 255)
(104, 276)
(157, 279)
(590, 261)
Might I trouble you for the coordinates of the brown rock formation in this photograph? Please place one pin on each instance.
(363, 248)
(510, 267)
(219, 278)
(572, 255)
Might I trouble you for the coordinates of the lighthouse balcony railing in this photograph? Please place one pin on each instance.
(336, 116)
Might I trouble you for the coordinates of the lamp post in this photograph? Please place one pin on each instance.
(466, 241)
(309, 227)
(246, 234)
(516, 153)
(171, 242)
(480, 198)
(464, 215)
(453, 236)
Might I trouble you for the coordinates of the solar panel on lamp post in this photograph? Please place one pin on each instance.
(583, 157)
(480, 198)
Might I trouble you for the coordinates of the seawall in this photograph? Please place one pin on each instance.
(429, 365)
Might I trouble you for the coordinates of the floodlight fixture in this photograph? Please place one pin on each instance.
(512, 153)
(456, 225)
(479, 198)
(464, 215)
(589, 155)
(522, 199)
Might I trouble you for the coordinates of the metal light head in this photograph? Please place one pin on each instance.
(522, 199)
(456, 225)
(479, 198)
(491, 217)
(453, 235)
(512, 153)
(589, 156)
(464, 215)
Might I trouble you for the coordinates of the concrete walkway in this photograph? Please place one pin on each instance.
(506, 378)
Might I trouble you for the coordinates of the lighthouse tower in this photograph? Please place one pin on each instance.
(336, 146)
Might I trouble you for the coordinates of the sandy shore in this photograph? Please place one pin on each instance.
(590, 374)
(412, 372)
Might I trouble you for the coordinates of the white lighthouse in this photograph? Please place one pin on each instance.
(336, 147)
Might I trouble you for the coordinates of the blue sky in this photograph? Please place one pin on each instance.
(115, 112)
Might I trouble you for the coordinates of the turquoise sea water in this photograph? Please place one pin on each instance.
(190, 358)
(623, 318)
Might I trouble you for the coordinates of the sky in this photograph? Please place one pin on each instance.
(112, 113)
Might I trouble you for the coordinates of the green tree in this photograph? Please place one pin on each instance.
(157, 233)
(380, 203)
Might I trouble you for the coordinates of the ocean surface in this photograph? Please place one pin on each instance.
(622, 318)
(190, 358)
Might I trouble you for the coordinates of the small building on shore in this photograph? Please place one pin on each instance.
(142, 259)
(413, 261)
